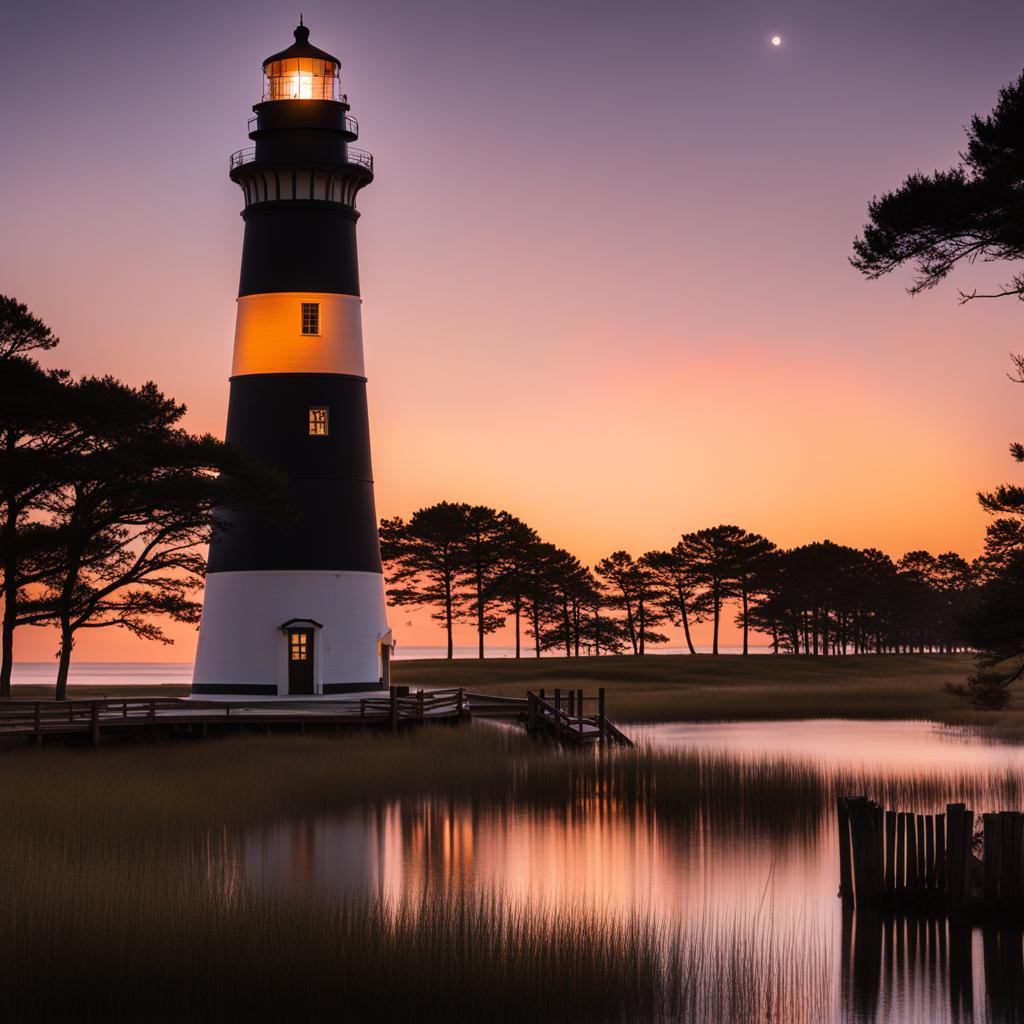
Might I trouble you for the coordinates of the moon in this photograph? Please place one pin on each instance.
(776, 40)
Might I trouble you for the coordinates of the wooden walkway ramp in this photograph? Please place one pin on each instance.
(562, 716)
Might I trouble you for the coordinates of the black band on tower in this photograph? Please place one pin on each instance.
(299, 246)
(330, 484)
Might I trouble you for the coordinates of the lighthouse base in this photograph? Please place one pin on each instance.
(291, 633)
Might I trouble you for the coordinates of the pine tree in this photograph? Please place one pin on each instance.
(426, 555)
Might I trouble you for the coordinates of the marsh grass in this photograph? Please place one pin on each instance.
(113, 906)
(701, 688)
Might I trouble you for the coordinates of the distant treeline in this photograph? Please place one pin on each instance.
(475, 564)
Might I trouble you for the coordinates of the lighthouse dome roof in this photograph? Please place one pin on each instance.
(302, 47)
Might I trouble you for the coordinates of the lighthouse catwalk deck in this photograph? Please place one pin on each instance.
(299, 608)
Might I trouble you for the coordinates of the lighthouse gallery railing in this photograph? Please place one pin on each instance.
(359, 157)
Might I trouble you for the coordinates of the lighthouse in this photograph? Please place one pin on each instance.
(297, 608)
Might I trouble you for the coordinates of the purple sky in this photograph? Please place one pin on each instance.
(604, 259)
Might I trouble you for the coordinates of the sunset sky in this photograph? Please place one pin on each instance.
(604, 260)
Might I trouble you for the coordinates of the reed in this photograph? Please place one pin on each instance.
(182, 790)
(119, 900)
(158, 939)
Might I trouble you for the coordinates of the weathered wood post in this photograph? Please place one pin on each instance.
(419, 707)
(890, 851)
(94, 722)
(845, 866)
(959, 833)
(602, 731)
(579, 710)
(992, 856)
(940, 852)
(394, 710)
(154, 732)
(912, 875)
(877, 852)
(929, 856)
(531, 711)
(37, 719)
(571, 704)
(462, 702)
(558, 714)
(1014, 859)
(860, 843)
(901, 851)
(921, 879)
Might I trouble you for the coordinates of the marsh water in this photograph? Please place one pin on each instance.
(718, 873)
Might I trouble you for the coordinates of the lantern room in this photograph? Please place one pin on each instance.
(302, 72)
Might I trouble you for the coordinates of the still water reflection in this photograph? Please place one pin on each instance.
(607, 856)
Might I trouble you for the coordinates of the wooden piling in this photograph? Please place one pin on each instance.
(912, 876)
(890, 851)
(929, 851)
(901, 852)
(940, 852)
(602, 730)
(921, 878)
(94, 722)
(845, 866)
(993, 856)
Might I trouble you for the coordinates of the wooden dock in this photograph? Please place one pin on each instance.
(931, 863)
(163, 717)
(562, 717)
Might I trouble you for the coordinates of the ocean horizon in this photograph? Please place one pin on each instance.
(161, 673)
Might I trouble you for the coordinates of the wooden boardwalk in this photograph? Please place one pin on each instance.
(160, 717)
(561, 717)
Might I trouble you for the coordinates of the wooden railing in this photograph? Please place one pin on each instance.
(566, 717)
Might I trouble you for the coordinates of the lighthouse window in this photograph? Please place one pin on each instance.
(318, 421)
(311, 318)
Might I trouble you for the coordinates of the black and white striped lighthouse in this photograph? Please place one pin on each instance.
(299, 609)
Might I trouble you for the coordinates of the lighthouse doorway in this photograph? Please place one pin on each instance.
(300, 661)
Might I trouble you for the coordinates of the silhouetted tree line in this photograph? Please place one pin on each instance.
(475, 564)
(105, 501)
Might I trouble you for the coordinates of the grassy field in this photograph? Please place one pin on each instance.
(662, 688)
(667, 687)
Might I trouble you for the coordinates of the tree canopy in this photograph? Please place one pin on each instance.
(971, 212)
(818, 599)
(105, 501)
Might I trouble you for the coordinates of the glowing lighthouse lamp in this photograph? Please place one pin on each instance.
(298, 609)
